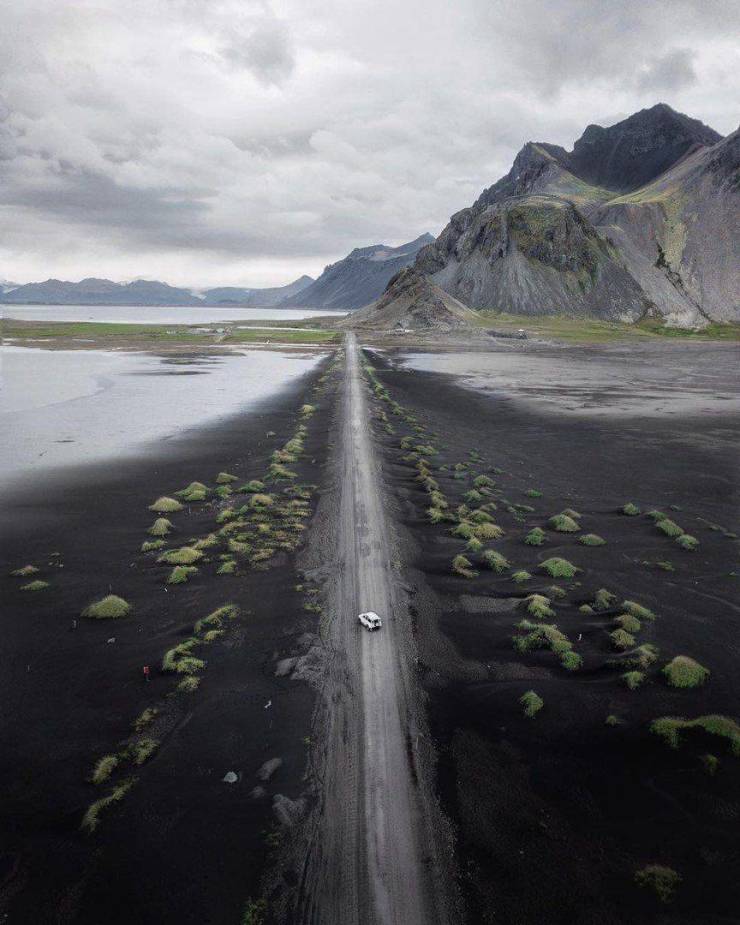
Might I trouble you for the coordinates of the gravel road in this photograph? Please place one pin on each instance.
(366, 864)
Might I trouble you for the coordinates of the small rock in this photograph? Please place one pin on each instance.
(269, 768)
(284, 667)
(230, 777)
(288, 811)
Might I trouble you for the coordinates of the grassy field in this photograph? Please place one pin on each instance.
(143, 335)
(589, 330)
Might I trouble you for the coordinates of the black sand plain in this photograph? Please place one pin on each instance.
(554, 814)
(182, 845)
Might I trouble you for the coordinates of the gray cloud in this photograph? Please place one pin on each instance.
(239, 142)
(672, 71)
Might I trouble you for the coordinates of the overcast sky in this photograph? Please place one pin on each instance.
(240, 142)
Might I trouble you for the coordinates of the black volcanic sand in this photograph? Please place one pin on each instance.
(182, 846)
(555, 813)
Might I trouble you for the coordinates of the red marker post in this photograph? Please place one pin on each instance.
(146, 672)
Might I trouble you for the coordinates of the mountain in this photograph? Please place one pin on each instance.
(99, 292)
(359, 278)
(412, 302)
(6, 285)
(639, 218)
(259, 298)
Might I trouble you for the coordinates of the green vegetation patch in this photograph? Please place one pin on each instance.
(532, 703)
(535, 537)
(110, 607)
(180, 574)
(604, 599)
(188, 684)
(145, 718)
(486, 532)
(103, 769)
(495, 561)
(591, 539)
(663, 881)
(559, 568)
(165, 505)
(630, 509)
(683, 671)
(669, 527)
(563, 524)
(570, 660)
(186, 555)
(621, 639)
(253, 486)
(641, 657)
(161, 527)
(152, 545)
(521, 576)
(628, 623)
(533, 493)
(143, 750)
(180, 659)
(669, 728)
(637, 610)
(36, 585)
(91, 819)
(463, 566)
(633, 679)
(24, 571)
(685, 541)
(225, 478)
(538, 606)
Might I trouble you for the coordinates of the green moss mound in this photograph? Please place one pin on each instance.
(628, 623)
(252, 487)
(683, 671)
(630, 509)
(521, 576)
(663, 881)
(538, 606)
(669, 728)
(110, 607)
(604, 599)
(633, 679)
(180, 574)
(187, 555)
(637, 610)
(486, 532)
(463, 566)
(563, 524)
(571, 661)
(591, 539)
(225, 478)
(535, 537)
(685, 541)
(160, 527)
(669, 527)
(165, 505)
(495, 561)
(559, 568)
(152, 545)
(37, 585)
(622, 639)
(227, 568)
(195, 491)
(24, 571)
(532, 703)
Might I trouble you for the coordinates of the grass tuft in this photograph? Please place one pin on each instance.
(91, 819)
(37, 585)
(188, 684)
(538, 606)
(521, 576)
(253, 486)
(463, 566)
(669, 527)
(487, 531)
(143, 750)
(591, 539)
(563, 524)
(633, 679)
(637, 610)
(604, 599)
(227, 567)
(225, 478)
(532, 703)
(152, 545)
(683, 671)
(533, 493)
(180, 574)
(165, 505)
(110, 607)
(669, 729)
(630, 509)
(628, 623)
(495, 561)
(663, 881)
(570, 660)
(186, 555)
(685, 541)
(145, 718)
(103, 769)
(622, 639)
(642, 657)
(559, 568)
(24, 571)
(535, 537)
(160, 527)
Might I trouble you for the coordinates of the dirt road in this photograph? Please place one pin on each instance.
(366, 864)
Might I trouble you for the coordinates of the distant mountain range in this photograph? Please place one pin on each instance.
(359, 278)
(354, 281)
(640, 218)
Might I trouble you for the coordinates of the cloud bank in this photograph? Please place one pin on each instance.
(246, 142)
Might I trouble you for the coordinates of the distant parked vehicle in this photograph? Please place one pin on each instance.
(371, 621)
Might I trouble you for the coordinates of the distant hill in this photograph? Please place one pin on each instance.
(99, 292)
(256, 298)
(359, 278)
(412, 303)
(639, 218)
